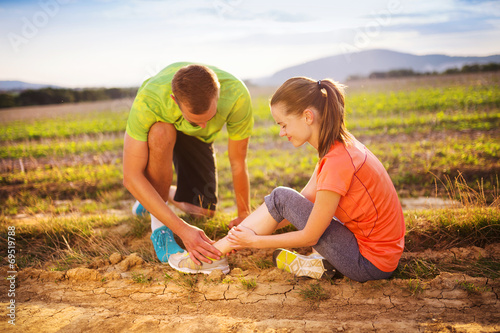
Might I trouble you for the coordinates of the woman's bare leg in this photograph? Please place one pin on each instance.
(260, 221)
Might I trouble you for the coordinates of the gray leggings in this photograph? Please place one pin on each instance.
(338, 244)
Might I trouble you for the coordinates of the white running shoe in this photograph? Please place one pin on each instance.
(314, 266)
(182, 262)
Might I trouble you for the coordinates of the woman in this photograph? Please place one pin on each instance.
(349, 211)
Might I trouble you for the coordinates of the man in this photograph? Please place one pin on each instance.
(175, 119)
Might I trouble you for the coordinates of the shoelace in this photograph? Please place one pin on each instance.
(170, 236)
(161, 241)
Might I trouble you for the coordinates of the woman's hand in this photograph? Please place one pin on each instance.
(241, 237)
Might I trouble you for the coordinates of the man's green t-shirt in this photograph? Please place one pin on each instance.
(154, 104)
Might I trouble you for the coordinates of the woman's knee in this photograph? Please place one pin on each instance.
(276, 201)
(281, 196)
(282, 193)
(286, 203)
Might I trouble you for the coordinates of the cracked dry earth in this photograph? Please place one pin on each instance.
(126, 294)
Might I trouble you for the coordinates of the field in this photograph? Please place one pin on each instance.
(84, 263)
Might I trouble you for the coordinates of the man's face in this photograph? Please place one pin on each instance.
(198, 119)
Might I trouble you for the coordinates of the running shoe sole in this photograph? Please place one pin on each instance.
(312, 266)
(224, 270)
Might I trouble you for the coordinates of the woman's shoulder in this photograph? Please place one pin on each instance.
(345, 148)
(351, 154)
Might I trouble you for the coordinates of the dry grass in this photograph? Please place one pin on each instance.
(470, 222)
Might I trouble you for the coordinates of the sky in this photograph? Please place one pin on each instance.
(120, 43)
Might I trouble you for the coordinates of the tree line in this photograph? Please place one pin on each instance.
(46, 96)
(474, 68)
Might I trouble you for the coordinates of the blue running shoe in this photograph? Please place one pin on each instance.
(164, 243)
(139, 209)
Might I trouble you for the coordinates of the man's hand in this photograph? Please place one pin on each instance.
(236, 222)
(199, 245)
(241, 237)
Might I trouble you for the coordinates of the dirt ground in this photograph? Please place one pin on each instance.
(126, 294)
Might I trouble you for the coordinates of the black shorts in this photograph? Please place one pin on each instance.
(194, 163)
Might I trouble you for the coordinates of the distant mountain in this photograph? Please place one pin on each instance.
(340, 67)
(20, 85)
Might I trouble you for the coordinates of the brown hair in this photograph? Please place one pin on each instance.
(195, 86)
(326, 96)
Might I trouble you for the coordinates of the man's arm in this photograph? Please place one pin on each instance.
(237, 151)
(135, 159)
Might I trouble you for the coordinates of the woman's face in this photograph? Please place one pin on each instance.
(295, 128)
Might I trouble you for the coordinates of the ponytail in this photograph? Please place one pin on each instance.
(332, 119)
(327, 97)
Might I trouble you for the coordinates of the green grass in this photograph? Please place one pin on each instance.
(425, 100)
(249, 284)
(61, 148)
(313, 293)
(482, 267)
(65, 237)
(261, 263)
(103, 174)
(415, 122)
(58, 183)
(140, 278)
(44, 200)
(188, 282)
(273, 162)
(140, 226)
(415, 286)
(462, 107)
(433, 141)
(410, 164)
(445, 228)
(416, 269)
(471, 222)
(215, 227)
(472, 288)
(167, 277)
(78, 225)
(92, 123)
(427, 269)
